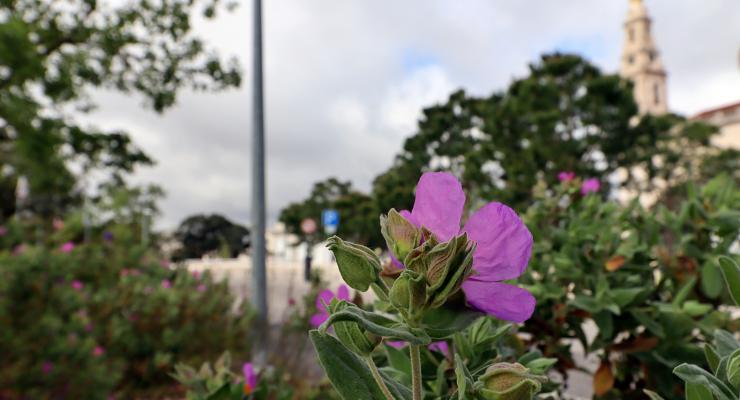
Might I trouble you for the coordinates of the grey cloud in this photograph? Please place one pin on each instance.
(324, 55)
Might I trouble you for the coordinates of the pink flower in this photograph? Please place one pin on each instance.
(19, 249)
(89, 328)
(250, 378)
(291, 301)
(325, 298)
(47, 367)
(201, 288)
(566, 176)
(196, 274)
(503, 244)
(67, 247)
(164, 263)
(98, 351)
(3, 230)
(166, 284)
(57, 224)
(590, 185)
(440, 346)
(77, 285)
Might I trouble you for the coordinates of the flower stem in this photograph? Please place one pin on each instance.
(378, 378)
(415, 371)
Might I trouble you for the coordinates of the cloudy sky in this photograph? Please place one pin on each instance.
(346, 80)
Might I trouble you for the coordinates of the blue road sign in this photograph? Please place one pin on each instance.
(330, 221)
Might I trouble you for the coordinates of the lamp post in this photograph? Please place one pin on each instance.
(258, 172)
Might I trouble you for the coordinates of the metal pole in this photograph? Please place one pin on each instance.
(258, 173)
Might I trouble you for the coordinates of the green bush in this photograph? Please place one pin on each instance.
(107, 317)
(647, 278)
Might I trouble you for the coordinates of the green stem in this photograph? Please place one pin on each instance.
(415, 371)
(378, 378)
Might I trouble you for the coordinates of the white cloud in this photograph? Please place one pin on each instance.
(340, 100)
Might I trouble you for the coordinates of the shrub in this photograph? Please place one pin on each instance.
(106, 317)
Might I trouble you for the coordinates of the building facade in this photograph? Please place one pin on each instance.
(641, 62)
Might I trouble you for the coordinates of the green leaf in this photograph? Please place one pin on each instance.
(712, 357)
(605, 322)
(348, 373)
(697, 376)
(733, 369)
(695, 309)
(441, 323)
(400, 361)
(624, 296)
(725, 342)
(731, 272)
(223, 393)
(649, 323)
(463, 377)
(541, 365)
(684, 292)
(698, 392)
(377, 324)
(711, 280)
(652, 395)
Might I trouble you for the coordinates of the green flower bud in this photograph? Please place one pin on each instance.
(408, 291)
(352, 335)
(358, 265)
(400, 235)
(448, 264)
(506, 381)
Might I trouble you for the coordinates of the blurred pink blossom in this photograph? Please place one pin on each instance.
(57, 224)
(20, 249)
(590, 185)
(67, 247)
(196, 274)
(166, 284)
(3, 230)
(566, 176)
(98, 351)
(47, 367)
(201, 288)
(77, 285)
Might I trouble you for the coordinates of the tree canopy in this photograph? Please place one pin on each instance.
(201, 234)
(52, 53)
(565, 115)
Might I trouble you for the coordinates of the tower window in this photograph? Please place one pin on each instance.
(631, 60)
(631, 34)
(656, 93)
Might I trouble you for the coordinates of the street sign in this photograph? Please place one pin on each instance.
(308, 226)
(330, 221)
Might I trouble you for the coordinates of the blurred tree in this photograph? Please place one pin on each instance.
(565, 116)
(358, 214)
(52, 53)
(201, 234)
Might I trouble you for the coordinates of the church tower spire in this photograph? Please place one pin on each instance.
(641, 62)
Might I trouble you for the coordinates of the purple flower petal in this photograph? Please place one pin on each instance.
(590, 185)
(441, 347)
(317, 319)
(249, 376)
(439, 204)
(324, 298)
(409, 217)
(503, 301)
(343, 292)
(396, 344)
(503, 243)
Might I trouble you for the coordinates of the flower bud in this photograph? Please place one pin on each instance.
(358, 265)
(352, 335)
(506, 381)
(408, 291)
(400, 235)
(448, 264)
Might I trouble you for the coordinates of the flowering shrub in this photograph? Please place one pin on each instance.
(431, 304)
(88, 320)
(647, 279)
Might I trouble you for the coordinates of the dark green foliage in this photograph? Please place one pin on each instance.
(358, 215)
(52, 53)
(144, 315)
(639, 274)
(201, 234)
